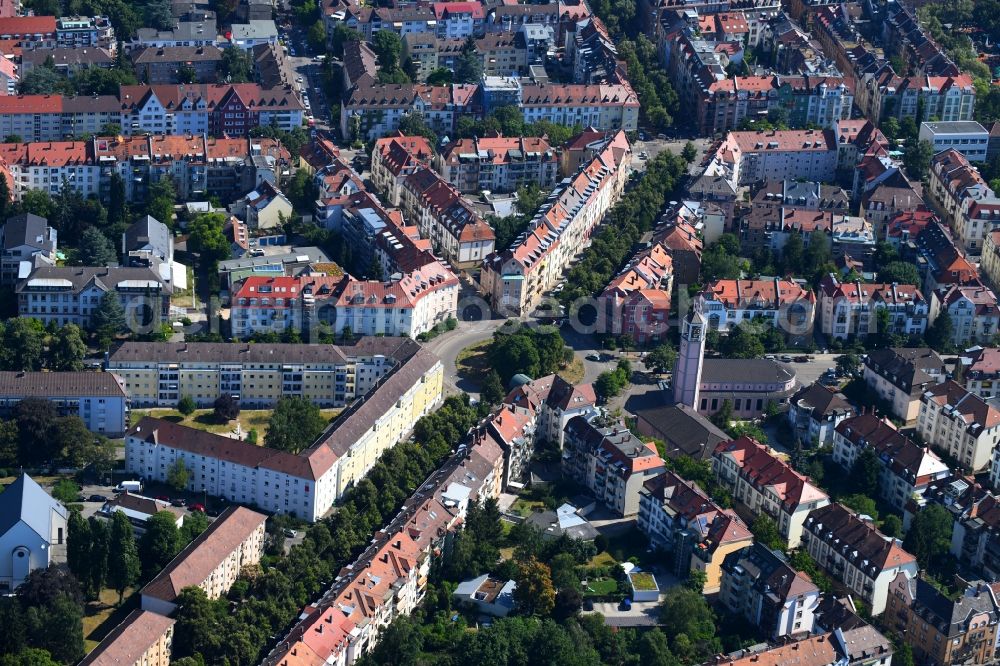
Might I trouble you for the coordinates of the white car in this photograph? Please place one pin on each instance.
(298, 79)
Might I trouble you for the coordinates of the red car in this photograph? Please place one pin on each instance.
(163, 498)
(197, 507)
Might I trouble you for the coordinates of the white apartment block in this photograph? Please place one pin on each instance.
(212, 562)
(258, 375)
(746, 158)
(975, 315)
(98, 398)
(305, 484)
(966, 136)
(767, 485)
(959, 422)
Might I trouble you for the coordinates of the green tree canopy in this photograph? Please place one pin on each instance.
(295, 424)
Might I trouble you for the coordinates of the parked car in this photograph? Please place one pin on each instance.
(197, 507)
(97, 498)
(162, 498)
(593, 357)
(801, 359)
(291, 534)
(179, 501)
(785, 358)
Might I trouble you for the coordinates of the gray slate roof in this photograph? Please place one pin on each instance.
(148, 232)
(25, 229)
(60, 384)
(26, 500)
(744, 370)
(81, 276)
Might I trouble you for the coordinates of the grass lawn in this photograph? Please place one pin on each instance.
(524, 507)
(602, 560)
(471, 362)
(101, 616)
(632, 543)
(574, 372)
(599, 587)
(204, 419)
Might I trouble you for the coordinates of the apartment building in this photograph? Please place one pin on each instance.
(258, 375)
(85, 31)
(943, 630)
(610, 461)
(940, 263)
(408, 306)
(959, 422)
(605, 106)
(966, 136)
(30, 31)
(681, 520)
(849, 548)
(231, 109)
(197, 29)
(978, 370)
(760, 586)
(373, 110)
(905, 468)
(313, 479)
(851, 309)
(975, 315)
(901, 375)
(70, 295)
(143, 638)
(100, 399)
(56, 117)
(516, 278)
(636, 302)
(555, 403)
(785, 304)
(198, 166)
(26, 242)
(814, 412)
(776, 197)
(767, 485)
(212, 562)
(66, 60)
(990, 258)
(498, 164)
(746, 158)
(396, 157)
(967, 203)
(164, 65)
(446, 218)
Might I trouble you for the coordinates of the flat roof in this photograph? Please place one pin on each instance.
(955, 127)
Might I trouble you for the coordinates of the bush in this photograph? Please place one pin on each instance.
(186, 405)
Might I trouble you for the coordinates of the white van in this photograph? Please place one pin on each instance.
(129, 486)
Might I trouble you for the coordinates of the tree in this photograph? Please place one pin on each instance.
(58, 629)
(865, 473)
(653, 650)
(95, 249)
(65, 491)
(236, 65)
(123, 556)
(848, 363)
(227, 408)
(765, 531)
(186, 405)
(97, 569)
(108, 319)
(195, 522)
(414, 124)
(724, 416)
(469, 63)
(441, 76)
(929, 536)
(34, 418)
(187, 74)
(917, 156)
(178, 475)
(742, 342)
(67, 349)
(295, 424)
(940, 334)
(793, 254)
(159, 544)
(534, 594)
(696, 580)
(78, 547)
(24, 347)
(892, 526)
(38, 202)
(900, 272)
(685, 612)
(160, 204)
(661, 359)
(690, 152)
(28, 657)
(387, 48)
(207, 238)
(316, 35)
(118, 213)
(492, 392)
